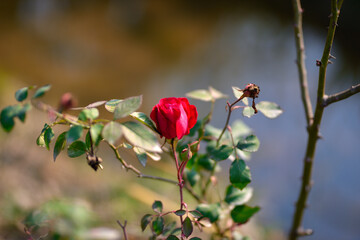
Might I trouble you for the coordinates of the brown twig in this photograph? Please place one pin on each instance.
(123, 227)
(327, 100)
(300, 61)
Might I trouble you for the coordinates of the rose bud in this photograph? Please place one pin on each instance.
(174, 117)
(67, 101)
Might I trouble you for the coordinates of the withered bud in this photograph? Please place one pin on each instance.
(251, 90)
(67, 101)
(94, 161)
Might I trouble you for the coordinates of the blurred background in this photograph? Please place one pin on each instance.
(100, 50)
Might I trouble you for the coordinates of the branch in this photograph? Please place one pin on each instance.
(123, 227)
(327, 100)
(300, 61)
(313, 130)
(137, 171)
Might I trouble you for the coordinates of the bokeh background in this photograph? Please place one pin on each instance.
(99, 50)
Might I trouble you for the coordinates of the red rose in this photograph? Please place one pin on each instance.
(174, 117)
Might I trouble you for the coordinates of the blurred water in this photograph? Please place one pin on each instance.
(260, 50)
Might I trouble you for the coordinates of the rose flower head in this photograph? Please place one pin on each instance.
(174, 117)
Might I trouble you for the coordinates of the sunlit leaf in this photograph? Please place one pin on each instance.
(127, 106)
(59, 144)
(95, 132)
(76, 149)
(188, 227)
(140, 136)
(210, 211)
(145, 220)
(269, 109)
(249, 144)
(41, 91)
(157, 206)
(242, 213)
(248, 112)
(239, 174)
(110, 105)
(112, 132)
(235, 196)
(196, 214)
(144, 119)
(238, 93)
(21, 94)
(201, 94)
(91, 113)
(74, 133)
(216, 94)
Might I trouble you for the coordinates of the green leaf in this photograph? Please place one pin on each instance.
(74, 133)
(248, 112)
(41, 91)
(188, 227)
(48, 136)
(91, 113)
(239, 174)
(168, 228)
(210, 211)
(200, 94)
(140, 136)
(40, 141)
(76, 149)
(269, 109)
(127, 106)
(195, 238)
(180, 212)
(238, 93)
(235, 196)
(192, 176)
(21, 111)
(59, 144)
(240, 129)
(249, 144)
(242, 213)
(112, 132)
(157, 206)
(220, 153)
(95, 132)
(158, 225)
(144, 119)
(21, 94)
(205, 162)
(172, 237)
(87, 141)
(176, 231)
(216, 94)
(110, 105)
(141, 155)
(7, 118)
(196, 214)
(145, 220)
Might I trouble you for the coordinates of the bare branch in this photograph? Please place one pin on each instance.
(327, 100)
(300, 61)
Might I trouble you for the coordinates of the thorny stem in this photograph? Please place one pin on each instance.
(313, 130)
(181, 183)
(218, 142)
(123, 227)
(327, 100)
(300, 61)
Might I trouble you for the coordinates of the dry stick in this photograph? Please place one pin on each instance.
(123, 227)
(313, 130)
(300, 61)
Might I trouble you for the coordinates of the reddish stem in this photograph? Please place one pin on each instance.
(181, 184)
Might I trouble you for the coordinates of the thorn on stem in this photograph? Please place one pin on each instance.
(304, 232)
(318, 63)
